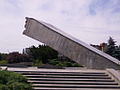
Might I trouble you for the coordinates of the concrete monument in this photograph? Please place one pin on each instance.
(69, 46)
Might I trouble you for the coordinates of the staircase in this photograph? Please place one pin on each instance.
(57, 79)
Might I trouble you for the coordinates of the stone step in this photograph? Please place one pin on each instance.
(78, 77)
(69, 79)
(62, 72)
(73, 82)
(75, 86)
(50, 88)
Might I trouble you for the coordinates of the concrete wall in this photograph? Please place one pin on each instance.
(69, 46)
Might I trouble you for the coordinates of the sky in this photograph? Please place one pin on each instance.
(91, 21)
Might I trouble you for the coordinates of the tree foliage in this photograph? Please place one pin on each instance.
(3, 56)
(113, 49)
(42, 52)
(0, 56)
(46, 55)
(16, 57)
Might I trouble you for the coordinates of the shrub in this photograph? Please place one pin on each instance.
(19, 86)
(3, 56)
(54, 62)
(3, 87)
(13, 81)
(16, 57)
(3, 62)
(65, 63)
(37, 62)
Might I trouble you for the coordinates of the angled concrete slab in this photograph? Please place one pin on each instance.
(69, 46)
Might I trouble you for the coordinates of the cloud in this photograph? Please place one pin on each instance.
(107, 11)
(91, 21)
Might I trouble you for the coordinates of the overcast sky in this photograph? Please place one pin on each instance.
(91, 21)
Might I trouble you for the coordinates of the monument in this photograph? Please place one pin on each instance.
(69, 46)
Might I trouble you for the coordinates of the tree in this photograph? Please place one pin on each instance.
(117, 52)
(46, 55)
(0, 56)
(112, 49)
(3, 56)
(42, 52)
(16, 57)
